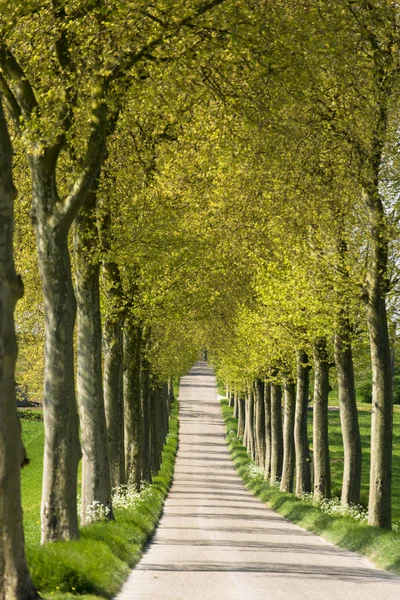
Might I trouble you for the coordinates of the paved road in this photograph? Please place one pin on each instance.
(216, 541)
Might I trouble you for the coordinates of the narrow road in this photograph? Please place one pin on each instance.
(216, 541)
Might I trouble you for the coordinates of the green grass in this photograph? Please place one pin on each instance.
(97, 564)
(31, 479)
(380, 546)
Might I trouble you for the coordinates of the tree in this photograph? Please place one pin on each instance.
(15, 580)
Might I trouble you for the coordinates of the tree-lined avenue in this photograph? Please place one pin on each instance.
(216, 541)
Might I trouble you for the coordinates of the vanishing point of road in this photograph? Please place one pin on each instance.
(216, 541)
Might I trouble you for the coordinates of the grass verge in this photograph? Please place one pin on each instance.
(97, 565)
(381, 546)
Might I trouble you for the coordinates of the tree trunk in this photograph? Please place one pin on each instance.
(322, 471)
(276, 433)
(303, 470)
(379, 506)
(133, 403)
(15, 580)
(146, 400)
(241, 416)
(259, 422)
(62, 447)
(288, 436)
(267, 415)
(348, 416)
(96, 481)
(153, 427)
(235, 405)
(113, 379)
(250, 424)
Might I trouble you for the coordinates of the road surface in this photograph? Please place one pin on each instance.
(216, 541)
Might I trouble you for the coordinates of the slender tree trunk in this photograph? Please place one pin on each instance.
(96, 481)
(267, 415)
(153, 427)
(250, 424)
(15, 580)
(260, 422)
(276, 433)
(113, 373)
(348, 416)
(322, 471)
(165, 411)
(246, 423)
(62, 447)
(134, 435)
(302, 450)
(288, 436)
(171, 397)
(235, 405)
(241, 416)
(380, 493)
(146, 400)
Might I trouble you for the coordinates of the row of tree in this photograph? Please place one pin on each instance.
(70, 73)
(219, 175)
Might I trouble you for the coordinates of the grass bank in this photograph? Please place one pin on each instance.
(382, 547)
(96, 565)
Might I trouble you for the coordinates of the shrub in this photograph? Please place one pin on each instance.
(364, 391)
(396, 389)
(30, 415)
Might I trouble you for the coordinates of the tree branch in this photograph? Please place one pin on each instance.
(131, 59)
(13, 71)
(95, 154)
(10, 102)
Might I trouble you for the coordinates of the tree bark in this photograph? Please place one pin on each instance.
(322, 472)
(235, 405)
(134, 440)
(288, 436)
(241, 416)
(259, 422)
(380, 493)
(113, 372)
(348, 416)
(146, 400)
(96, 480)
(15, 580)
(62, 447)
(276, 433)
(249, 426)
(302, 450)
(267, 415)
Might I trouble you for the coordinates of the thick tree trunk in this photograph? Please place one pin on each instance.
(348, 416)
(276, 433)
(133, 403)
(15, 581)
(96, 481)
(259, 422)
(322, 471)
(267, 415)
(302, 450)
(62, 447)
(288, 436)
(113, 375)
(379, 506)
